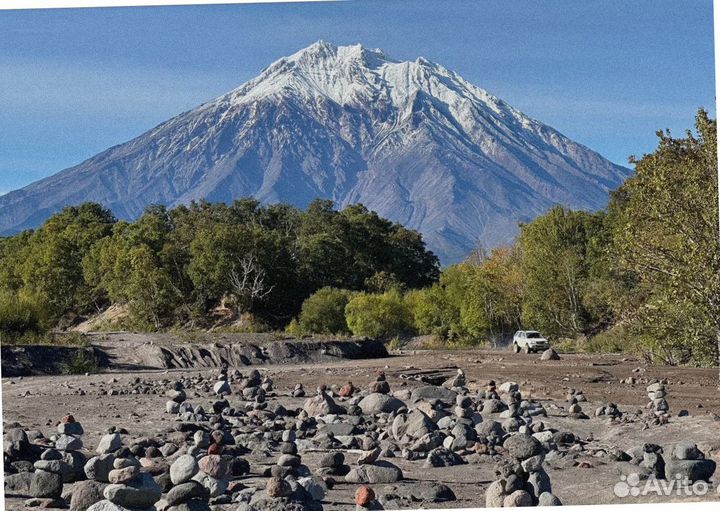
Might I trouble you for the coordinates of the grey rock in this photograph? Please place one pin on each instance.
(692, 470)
(380, 403)
(68, 443)
(106, 505)
(46, 485)
(431, 392)
(425, 491)
(186, 491)
(183, 469)
(380, 472)
(85, 494)
(522, 447)
(548, 499)
(687, 451)
(518, 498)
(18, 484)
(322, 404)
(442, 457)
(495, 494)
(141, 493)
(109, 443)
(98, 467)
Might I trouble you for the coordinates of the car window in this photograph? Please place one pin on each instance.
(534, 335)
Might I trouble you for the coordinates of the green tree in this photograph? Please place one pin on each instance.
(492, 307)
(52, 265)
(555, 266)
(667, 234)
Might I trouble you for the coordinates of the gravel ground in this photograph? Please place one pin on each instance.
(39, 403)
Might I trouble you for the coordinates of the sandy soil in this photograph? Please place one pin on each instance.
(39, 402)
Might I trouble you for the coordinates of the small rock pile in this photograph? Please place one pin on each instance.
(332, 464)
(687, 462)
(609, 410)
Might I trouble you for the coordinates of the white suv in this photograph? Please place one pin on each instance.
(529, 340)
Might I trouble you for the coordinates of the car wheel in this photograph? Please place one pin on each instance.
(515, 348)
(526, 349)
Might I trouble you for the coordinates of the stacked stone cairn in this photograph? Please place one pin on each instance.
(57, 465)
(522, 479)
(658, 405)
(574, 398)
(298, 391)
(130, 486)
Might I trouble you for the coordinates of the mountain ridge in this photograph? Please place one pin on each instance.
(413, 141)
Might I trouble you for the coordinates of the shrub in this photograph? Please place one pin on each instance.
(395, 344)
(324, 312)
(82, 362)
(381, 316)
(20, 316)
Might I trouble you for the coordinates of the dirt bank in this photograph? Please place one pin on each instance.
(128, 351)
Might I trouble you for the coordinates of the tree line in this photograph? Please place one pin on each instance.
(175, 266)
(642, 275)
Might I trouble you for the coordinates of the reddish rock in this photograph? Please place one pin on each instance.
(277, 487)
(215, 449)
(347, 390)
(123, 475)
(213, 465)
(364, 495)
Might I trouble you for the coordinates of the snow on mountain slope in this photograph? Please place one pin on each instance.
(411, 140)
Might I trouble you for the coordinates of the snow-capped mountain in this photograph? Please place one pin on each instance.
(411, 140)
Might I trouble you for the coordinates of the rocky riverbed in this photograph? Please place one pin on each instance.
(418, 429)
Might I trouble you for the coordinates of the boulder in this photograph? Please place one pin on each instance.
(692, 470)
(46, 485)
(495, 494)
(380, 403)
(141, 493)
(109, 443)
(186, 491)
(549, 354)
(322, 404)
(431, 392)
(442, 457)
(85, 494)
(548, 499)
(382, 472)
(183, 469)
(518, 498)
(98, 467)
(522, 447)
(687, 451)
(18, 484)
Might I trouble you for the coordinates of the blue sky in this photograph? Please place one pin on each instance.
(607, 74)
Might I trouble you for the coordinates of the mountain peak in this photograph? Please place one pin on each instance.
(325, 50)
(411, 140)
